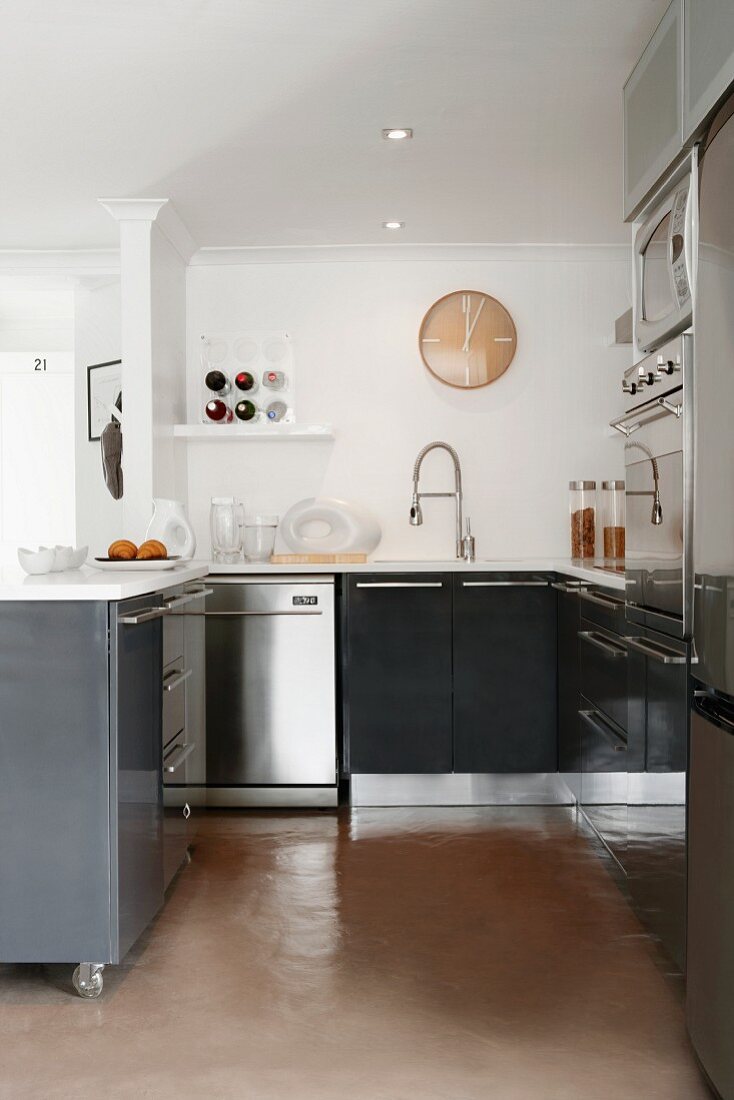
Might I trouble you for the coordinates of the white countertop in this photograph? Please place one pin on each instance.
(593, 572)
(94, 584)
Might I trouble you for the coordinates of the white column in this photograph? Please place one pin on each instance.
(154, 250)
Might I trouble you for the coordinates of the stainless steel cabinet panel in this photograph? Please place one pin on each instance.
(708, 59)
(653, 95)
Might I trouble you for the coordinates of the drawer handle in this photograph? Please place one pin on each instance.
(143, 616)
(175, 759)
(571, 587)
(658, 653)
(187, 597)
(505, 584)
(602, 643)
(174, 679)
(399, 584)
(613, 603)
(595, 722)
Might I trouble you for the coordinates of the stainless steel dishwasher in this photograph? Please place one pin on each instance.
(271, 691)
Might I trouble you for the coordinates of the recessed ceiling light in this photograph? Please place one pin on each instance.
(393, 225)
(397, 133)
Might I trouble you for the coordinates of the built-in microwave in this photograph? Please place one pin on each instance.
(665, 251)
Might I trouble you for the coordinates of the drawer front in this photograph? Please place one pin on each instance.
(604, 607)
(603, 745)
(173, 631)
(603, 664)
(174, 700)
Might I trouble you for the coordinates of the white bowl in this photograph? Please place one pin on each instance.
(36, 562)
(78, 557)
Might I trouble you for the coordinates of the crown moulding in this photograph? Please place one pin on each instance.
(159, 211)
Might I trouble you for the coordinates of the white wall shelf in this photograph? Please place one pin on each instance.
(266, 433)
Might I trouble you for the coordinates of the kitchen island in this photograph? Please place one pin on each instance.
(87, 847)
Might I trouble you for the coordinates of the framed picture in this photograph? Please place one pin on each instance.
(104, 391)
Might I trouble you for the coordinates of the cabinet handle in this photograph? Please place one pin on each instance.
(570, 587)
(143, 616)
(595, 722)
(505, 584)
(174, 678)
(188, 597)
(177, 757)
(399, 584)
(602, 643)
(658, 653)
(612, 603)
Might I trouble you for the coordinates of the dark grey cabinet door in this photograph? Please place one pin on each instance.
(397, 657)
(505, 652)
(54, 769)
(569, 745)
(136, 790)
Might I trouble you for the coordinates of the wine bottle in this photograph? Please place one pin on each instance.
(244, 380)
(245, 410)
(217, 382)
(217, 411)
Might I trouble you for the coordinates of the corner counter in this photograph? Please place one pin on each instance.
(95, 584)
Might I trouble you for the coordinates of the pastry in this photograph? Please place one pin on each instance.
(122, 550)
(152, 550)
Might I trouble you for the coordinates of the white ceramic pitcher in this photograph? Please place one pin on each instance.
(170, 525)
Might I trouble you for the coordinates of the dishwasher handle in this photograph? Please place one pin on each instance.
(240, 614)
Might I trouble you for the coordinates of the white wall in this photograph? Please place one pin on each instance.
(355, 330)
(97, 340)
(36, 413)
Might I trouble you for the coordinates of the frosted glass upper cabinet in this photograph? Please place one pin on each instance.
(708, 59)
(653, 106)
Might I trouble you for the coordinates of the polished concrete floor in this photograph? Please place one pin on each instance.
(386, 955)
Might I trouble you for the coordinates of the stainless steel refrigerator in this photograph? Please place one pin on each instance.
(710, 933)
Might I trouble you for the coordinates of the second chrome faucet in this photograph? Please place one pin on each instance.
(464, 540)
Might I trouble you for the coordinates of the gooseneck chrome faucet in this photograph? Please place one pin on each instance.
(464, 543)
(656, 517)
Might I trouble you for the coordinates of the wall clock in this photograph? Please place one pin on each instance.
(467, 339)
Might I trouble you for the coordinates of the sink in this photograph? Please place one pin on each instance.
(443, 561)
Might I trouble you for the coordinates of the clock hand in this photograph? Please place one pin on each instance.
(473, 325)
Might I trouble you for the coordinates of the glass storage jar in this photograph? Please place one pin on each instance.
(582, 501)
(612, 518)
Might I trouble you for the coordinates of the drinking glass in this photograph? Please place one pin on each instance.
(226, 520)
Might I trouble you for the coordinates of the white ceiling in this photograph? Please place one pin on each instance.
(261, 119)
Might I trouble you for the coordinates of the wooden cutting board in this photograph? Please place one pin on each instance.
(317, 559)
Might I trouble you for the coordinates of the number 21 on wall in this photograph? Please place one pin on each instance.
(39, 364)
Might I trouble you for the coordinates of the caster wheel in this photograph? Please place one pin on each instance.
(90, 987)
